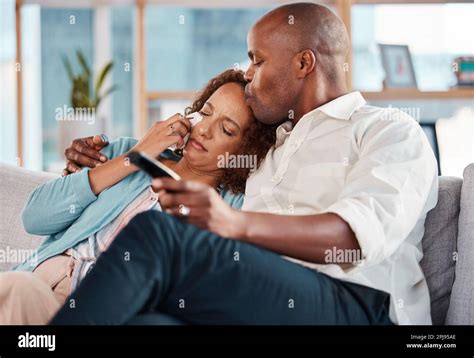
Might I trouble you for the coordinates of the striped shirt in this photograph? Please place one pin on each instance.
(87, 251)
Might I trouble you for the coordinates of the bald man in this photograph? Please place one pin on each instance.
(331, 226)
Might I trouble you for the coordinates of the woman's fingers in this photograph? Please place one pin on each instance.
(173, 139)
(179, 128)
(178, 118)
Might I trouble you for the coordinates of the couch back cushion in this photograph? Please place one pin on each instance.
(461, 307)
(439, 246)
(16, 184)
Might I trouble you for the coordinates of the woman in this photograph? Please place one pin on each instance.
(83, 212)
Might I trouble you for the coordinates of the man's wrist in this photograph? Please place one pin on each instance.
(239, 225)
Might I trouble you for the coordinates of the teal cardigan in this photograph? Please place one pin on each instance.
(67, 211)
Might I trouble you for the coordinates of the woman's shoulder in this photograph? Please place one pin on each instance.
(233, 199)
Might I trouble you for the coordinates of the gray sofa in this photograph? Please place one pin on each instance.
(448, 243)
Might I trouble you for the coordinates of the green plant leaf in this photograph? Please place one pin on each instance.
(83, 62)
(83, 95)
(105, 94)
(68, 67)
(101, 78)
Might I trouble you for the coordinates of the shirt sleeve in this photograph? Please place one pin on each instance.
(234, 200)
(388, 186)
(54, 206)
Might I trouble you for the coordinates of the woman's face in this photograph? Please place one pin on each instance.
(226, 117)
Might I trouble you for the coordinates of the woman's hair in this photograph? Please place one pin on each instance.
(256, 141)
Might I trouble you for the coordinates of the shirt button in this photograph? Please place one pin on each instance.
(291, 209)
(276, 178)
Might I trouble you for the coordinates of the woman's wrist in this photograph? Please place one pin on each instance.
(151, 152)
(110, 173)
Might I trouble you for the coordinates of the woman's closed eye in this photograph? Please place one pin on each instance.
(226, 131)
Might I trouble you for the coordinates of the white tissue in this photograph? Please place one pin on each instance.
(194, 118)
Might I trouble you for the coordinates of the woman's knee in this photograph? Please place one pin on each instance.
(25, 299)
(18, 281)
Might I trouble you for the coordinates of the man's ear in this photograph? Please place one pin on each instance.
(306, 61)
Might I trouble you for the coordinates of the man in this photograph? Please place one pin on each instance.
(331, 226)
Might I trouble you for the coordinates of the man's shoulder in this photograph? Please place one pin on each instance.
(373, 114)
(392, 119)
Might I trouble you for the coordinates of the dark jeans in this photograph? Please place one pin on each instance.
(161, 264)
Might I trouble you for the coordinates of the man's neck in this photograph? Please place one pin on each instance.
(312, 99)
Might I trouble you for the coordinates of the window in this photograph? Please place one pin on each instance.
(185, 47)
(435, 34)
(8, 117)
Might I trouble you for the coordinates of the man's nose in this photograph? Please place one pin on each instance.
(248, 75)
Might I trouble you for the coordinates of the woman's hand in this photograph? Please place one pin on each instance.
(164, 134)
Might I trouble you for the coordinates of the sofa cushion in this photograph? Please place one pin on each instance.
(461, 308)
(16, 184)
(439, 246)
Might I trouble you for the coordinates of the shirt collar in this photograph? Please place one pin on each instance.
(340, 108)
(282, 131)
(343, 107)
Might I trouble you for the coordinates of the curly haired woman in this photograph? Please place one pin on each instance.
(82, 213)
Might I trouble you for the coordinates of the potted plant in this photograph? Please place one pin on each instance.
(79, 119)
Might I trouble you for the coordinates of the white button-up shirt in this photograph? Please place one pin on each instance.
(373, 167)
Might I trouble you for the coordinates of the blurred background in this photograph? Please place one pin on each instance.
(146, 60)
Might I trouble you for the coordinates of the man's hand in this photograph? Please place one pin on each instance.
(207, 210)
(303, 237)
(85, 152)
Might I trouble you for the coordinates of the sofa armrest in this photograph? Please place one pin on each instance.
(16, 184)
(461, 307)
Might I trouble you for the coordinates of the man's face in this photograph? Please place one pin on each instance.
(273, 88)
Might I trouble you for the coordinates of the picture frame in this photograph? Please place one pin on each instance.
(429, 128)
(398, 66)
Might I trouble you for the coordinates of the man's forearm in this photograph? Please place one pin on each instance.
(302, 237)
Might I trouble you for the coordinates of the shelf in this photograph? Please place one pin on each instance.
(408, 94)
(408, 2)
(393, 94)
(170, 95)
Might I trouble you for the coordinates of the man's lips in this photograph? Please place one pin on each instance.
(197, 145)
(248, 94)
(248, 97)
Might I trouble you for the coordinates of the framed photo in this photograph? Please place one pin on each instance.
(429, 127)
(398, 66)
